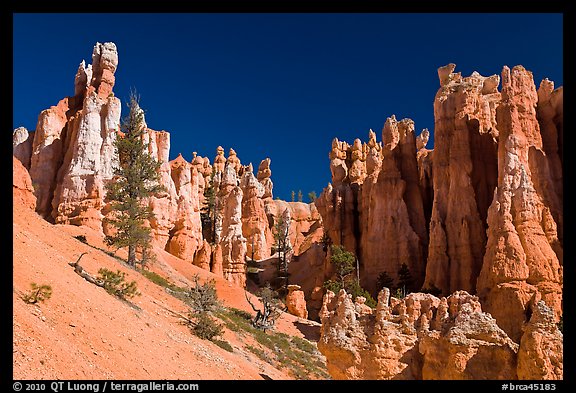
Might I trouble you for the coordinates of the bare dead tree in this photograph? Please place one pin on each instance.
(82, 273)
(266, 317)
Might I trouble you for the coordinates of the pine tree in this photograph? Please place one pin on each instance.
(293, 195)
(283, 247)
(312, 196)
(300, 196)
(136, 178)
(405, 280)
(385, 281)
(343, 262)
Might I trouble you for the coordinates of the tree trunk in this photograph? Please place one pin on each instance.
(132, 255)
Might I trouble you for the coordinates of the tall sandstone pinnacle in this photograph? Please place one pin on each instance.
(254, 220)
(394, 230)
(163, 204)
(465, 174)
(72, 153)
(186, 238)
(231, 240)
(22, 145)
(524, 255)
(375, 208)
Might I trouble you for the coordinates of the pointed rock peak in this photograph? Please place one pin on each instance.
(505, 78)
(264, 171)
(545, 90)
(105, 56)
(405, 128)
(220, 151)
(422, 139)
(264, 164)
(445, 72)
(19, 135)
(490, 84)
(518, 82)
(178, 162)
(335, 143)
(82, 79)
(229, 176)
(390, 133)
(198, 160)
(232, 153)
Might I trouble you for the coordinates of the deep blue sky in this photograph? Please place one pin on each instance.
(276, 85)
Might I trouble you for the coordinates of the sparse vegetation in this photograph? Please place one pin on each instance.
(400, 293)
(81, 238)
(312, 196)
(224, 345)
(344, 263)
(356, 290)
(159, 280)
(385, 281)
(37, 293)
(135, 179)
(300, 196)
(405, 280)
(115, 284)
(299, 356)
(202, 297)
(205, 326)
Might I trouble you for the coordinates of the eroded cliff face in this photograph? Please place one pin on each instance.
(186, 234)
(488, 215)
(523, 254)
(87, 142)
(465, 175)
(481, 212)
(375, 207)
(425, 337)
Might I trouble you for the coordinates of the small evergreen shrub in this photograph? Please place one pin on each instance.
(385, 281)
(224, 345)
(205, 326)
(115, 284)
(37, 293)
(202, 297)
